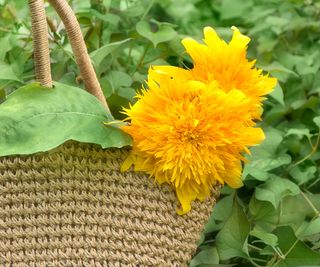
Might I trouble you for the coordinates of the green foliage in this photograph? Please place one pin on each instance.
(35, 119)
(232, 237)
(274, 219)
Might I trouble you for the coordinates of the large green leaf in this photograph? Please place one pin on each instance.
(35, 119)
(232, 237)
(222, 211)
(296, 252)
(275, 189)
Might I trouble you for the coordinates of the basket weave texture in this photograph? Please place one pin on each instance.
(73, 207)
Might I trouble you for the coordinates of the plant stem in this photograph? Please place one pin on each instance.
(272, 260)
(313, 150)
(314, 183)
(147, 10)
(254, 263)
(317, 212)
(254, 247)
(140, 63)
(292, 247)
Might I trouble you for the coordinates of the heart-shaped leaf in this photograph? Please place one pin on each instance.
(163, 33)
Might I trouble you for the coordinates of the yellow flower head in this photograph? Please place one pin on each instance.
(190, 134)
(226, 63)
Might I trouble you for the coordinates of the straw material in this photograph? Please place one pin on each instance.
(40, 42)
(72, 207)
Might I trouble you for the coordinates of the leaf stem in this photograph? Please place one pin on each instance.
(313, 150)
(279, 253)
(317, 212)
(313, 183)
(140, 63)
(147, 10)
(254, 263)
(254, 247)
(272, 260)
(291, 248)
(257, 259)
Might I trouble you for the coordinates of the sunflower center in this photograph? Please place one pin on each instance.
(190, 136)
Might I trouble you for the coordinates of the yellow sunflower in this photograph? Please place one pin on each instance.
(226, 63)
(190, 134)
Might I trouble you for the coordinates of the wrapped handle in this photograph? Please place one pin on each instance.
(76, 40)
(40, 43)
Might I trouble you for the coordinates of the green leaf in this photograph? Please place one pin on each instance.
(127, 93)
(309, 228)
(271, 144)
(109, 17)
(317, 121)
(231, 239)
(163, 33)
(260, 210)
(5, 46)
(294, 210)
(6, 73)
(2, 95)
(134, 11)
(299, 132)
(98, 55)
(223, 208)
(35, 119)
(275, 67)
(266, 157)
(260, 167)
(303, 174)
(296, 253)
(118, 82)
(266, 43)
(234, 8)
(221, 212)
(277, 94)
(277, 24)
(267, 238)
(206, 256)
(119, 79)
(275, 189)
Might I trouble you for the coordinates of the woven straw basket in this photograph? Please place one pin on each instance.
(72, 206)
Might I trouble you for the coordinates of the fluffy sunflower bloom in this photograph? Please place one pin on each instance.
(226, 63)
(190, 134)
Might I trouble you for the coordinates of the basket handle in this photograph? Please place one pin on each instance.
(40, 43)
(77, 42)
